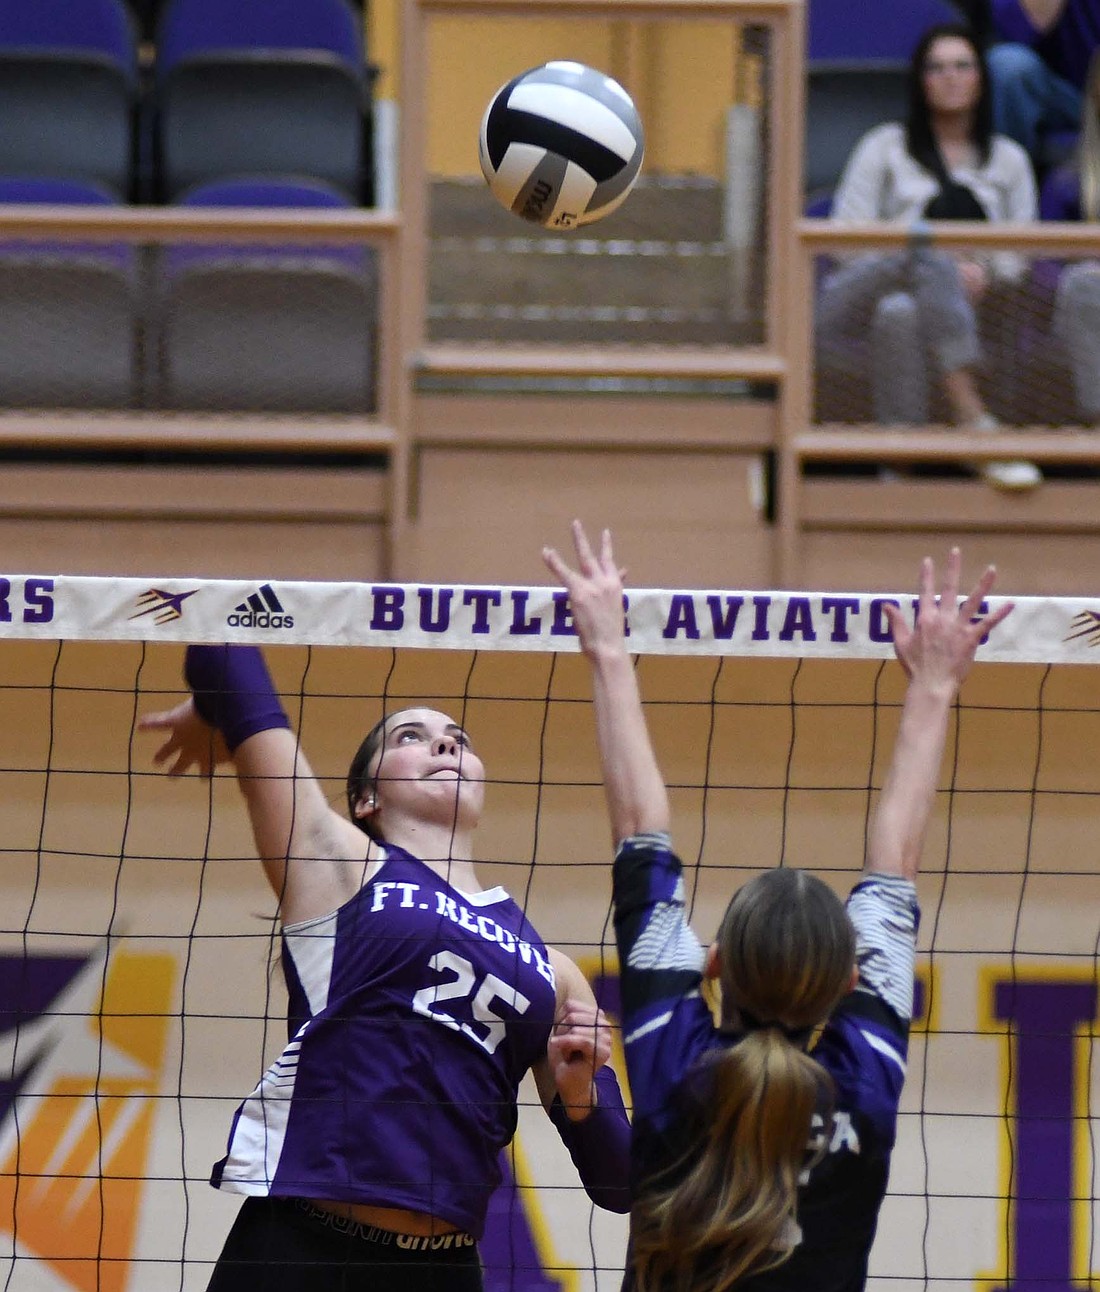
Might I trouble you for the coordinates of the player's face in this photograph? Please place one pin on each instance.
(950, 75)
(426, 768)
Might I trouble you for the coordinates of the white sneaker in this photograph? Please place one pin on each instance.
(1016, 477)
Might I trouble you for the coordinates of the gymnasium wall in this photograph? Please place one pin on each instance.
(681, 75)
(141, 896)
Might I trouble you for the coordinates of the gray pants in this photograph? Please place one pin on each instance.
(1077, 328)
(913, 311)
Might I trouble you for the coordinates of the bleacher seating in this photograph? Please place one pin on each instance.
(68, 90)
(266, 327)
(260, 87)
(69, 313)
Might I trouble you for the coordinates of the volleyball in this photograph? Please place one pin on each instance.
(561, 145)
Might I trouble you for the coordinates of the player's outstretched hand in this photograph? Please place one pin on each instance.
(579, 1045)
(595, 590)
(938, 650)
(189, 742)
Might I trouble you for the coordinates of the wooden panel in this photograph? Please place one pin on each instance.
(870, 534)
(655, 422)
(680, 519)
(1055, 565)
(230, 493)
(948, 506)
(219, 522)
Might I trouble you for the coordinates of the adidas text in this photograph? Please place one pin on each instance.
(252, 620)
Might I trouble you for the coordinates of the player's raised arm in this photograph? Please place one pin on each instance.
(936, 653)
(637, 800)
(234, 714)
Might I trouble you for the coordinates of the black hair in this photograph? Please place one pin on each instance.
(360, 779)
(919, 139)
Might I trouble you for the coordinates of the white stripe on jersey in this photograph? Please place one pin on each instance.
(667, 941)
(646, 1028)
(260, 1131)
(312, 947)
(884, 911)
(883, 1047)
(655, 1024)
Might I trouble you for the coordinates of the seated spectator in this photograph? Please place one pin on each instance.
(1073, 193)
(920, 307)
(1037, 72)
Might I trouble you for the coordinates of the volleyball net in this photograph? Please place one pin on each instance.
(140, 998)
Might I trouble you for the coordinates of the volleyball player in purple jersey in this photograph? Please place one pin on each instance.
(417, 1002)
(760, 1161)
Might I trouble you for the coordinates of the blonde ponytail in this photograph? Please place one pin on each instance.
(728, 1206)
(734, 1211)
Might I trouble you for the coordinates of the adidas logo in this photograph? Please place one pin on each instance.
(262, 609)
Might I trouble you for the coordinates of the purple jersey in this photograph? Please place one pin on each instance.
(1066, 46)
(415, 1010)
(668, 1035)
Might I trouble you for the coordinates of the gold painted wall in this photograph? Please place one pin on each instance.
(681, 75)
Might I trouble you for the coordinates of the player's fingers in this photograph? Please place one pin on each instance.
(572, 1023)
(584, 1029)
(951, 575)
(895, 621)
(556, 565)
(580, 1020)
(901, 633)
(154, 721)
(584, 549)
(991, 620)
(927, 584)
(980, 591)
(607, 554)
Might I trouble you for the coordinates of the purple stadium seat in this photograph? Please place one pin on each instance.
(261, 87)
(68, 86)
(191, 28)
(69, 313)
(53, 191)
(266, 192)
(267, 327)
(851, 31)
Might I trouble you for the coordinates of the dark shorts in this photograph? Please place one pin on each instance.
(289, 1245)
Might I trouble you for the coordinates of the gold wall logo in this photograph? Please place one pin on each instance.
(82, 1048)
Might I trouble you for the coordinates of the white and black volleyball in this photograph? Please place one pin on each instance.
(561, 145)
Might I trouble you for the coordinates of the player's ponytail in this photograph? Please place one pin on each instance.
(786, 952)
(734, 1212)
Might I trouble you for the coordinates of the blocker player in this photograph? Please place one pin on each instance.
(760, 1162)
